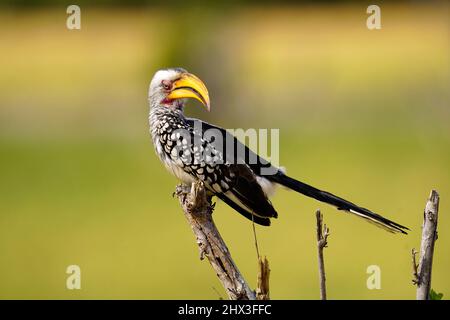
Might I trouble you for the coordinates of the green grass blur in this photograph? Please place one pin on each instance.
(364, 114)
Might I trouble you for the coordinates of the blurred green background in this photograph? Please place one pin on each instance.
(364, 114)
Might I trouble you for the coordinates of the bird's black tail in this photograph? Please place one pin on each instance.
(338, 202)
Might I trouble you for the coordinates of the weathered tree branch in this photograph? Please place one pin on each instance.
(429, 237)
(198, 212)
(322, 238)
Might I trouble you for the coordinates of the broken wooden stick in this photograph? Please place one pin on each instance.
(322, 237)
(262, 286)
(422, 271)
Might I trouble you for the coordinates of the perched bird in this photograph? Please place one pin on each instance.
(195, 150)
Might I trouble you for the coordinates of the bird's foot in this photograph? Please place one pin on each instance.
(181, 189)
(195, 197)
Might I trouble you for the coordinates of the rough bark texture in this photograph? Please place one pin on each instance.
(322, 238)
(198, 212)
(429, 237)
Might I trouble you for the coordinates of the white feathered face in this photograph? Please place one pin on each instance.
(171, 88)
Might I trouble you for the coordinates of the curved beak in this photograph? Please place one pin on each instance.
(189, 86)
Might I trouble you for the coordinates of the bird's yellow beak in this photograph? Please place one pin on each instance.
(189, 86)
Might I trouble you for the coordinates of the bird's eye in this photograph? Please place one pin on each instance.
(166, 84)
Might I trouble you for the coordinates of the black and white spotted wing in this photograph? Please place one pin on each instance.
(201, 158)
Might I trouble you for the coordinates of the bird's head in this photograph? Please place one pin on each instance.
(172, 87)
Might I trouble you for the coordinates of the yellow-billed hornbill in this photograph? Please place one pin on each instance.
(195, 150)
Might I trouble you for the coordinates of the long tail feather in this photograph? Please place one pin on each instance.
(338, 202)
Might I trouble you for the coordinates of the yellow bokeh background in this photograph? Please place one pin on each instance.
(363, 114)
